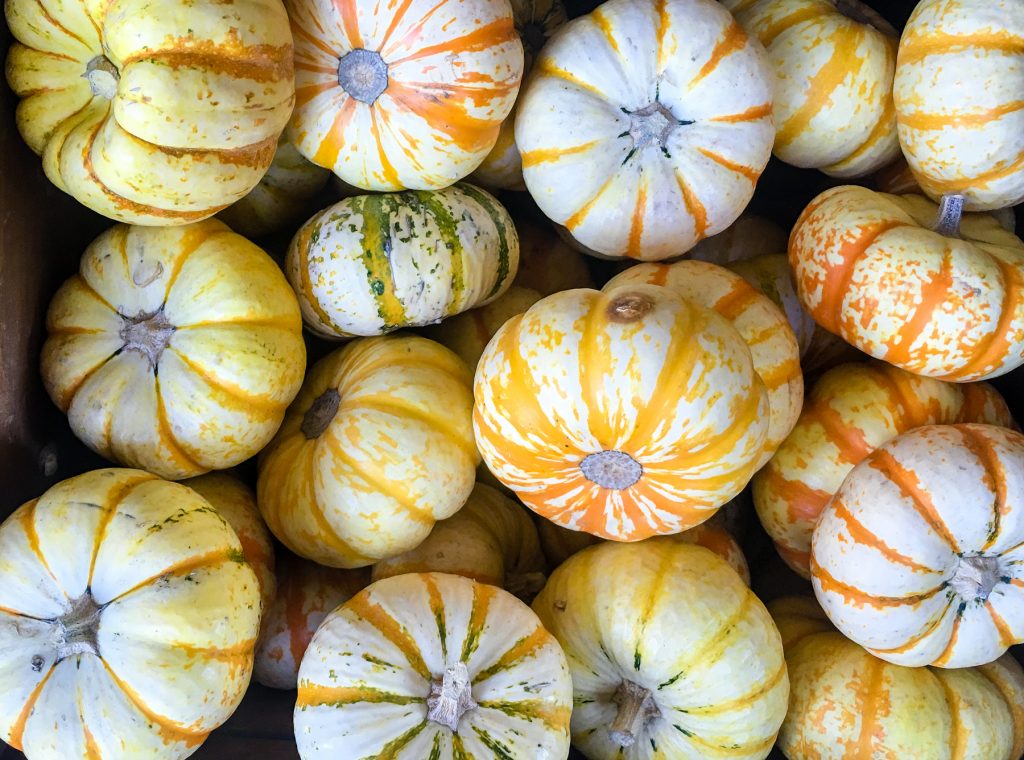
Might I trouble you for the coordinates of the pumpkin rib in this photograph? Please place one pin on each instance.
(830, 583)
(746, 700)
(744, 171)
(519, 650)
(934, 292)
(183, 567)
(868, 693)
(769, 34)
(184, 458)
(263, 402)
(925, 632)
(395, 406)
(727, 626)
(482, 596)
(995, 343)
(101, 529)
(959, 748)
(26, 517)
(194, 240)
(733, 40)
(931, 121)
(361, 606)
(315, 695)
(18, 727)
(879, 132)
(435, 601)
(995, 477)
(914, 50)
(1006, 637)
(170, 729)
(860, 533)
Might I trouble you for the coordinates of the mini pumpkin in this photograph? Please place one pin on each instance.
(175, 350)
(377, 447)
(547, 263)
(433, 665)
(747, 237)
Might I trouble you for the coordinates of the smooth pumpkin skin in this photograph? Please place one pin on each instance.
(762, 325)
(957, 95)
(396, 455)
(916, 557)
(747, 237)
(179, 610)
(547, 263)
(181, 118)
(372, 264)
(450, 75)
(676, 620)
(869, 268)
(833, 64)
(306, 593)
(849, 412)
(232, 354)
(622, 376)
(365, 679)
(846, 704)
(636, 184)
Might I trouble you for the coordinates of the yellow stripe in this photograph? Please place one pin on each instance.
(390, 629)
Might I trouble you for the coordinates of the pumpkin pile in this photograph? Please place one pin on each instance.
(493, 442)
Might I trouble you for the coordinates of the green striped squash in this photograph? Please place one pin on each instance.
(432, 665)
(372, 264)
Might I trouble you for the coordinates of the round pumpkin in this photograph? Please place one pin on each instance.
(433, 665)
(645, 126)
(491, 539)
(833, 64)
(852, 410)
(405, 96)
(128, 617)
(547, 263)
(917, 556)
(306, 593)
(671, 654)
(761, 324)
(747, 237)
(946, 302)
(152, 114)
(372, 264)
(175, 350)
(377, 447)
(624, 413)
(958, 100)
(845, 703)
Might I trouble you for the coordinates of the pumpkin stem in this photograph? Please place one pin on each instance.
(630, 307)
(74, 632)
(637, 709)
(451, 697)
(975, 577)
(951, 211)
(863, 14)
(320, 414)
(148, 334)
(363, 74)
(611, 469)
(102, 76)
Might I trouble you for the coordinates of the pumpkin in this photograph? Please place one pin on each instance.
(128, 617)
(157, 115)
(624, 413)
(846, 703)
(834, 64)
(281, 197)
(761, 324)
(372, 264)
(747, 237)
(377, 447)
(957, 99)
(306, 593)
(916, 557)
(405, 96)
(645, 126)
(547, 263)
(175, 350)
(850, 411)
(671, 654)
(491, 539)
(947, 303)
(433, 665)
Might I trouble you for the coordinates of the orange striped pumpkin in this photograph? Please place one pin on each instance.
(834, 64)
(917, 557)
(306, 593)
(625, 413)
(433, 665)
(152, 114)
(845, 703)
(761, 324)
(946, 302)
(958, 100)
(645, 126)
(852, 410)
(747, 237)
(547, 263)
(410, 95)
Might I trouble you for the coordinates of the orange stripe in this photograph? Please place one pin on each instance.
(183, 567)
(957, 119)
(180, 457)
(545, 155)
(693, 206)
(869, 690)
(42, 11)
(664, 22)
(482, 596)
(636, 224)
(546, 67)
(314, 695)
(992, 350)
(303, 243)
(247, 401)
(746, 171)
(740, 298)
(92, 750)
(436, 602)
(851, 444)
(994, 477)
(18, 727)
(114, 501)
(525, 647)
(884, 128)
(330, 148)
(934, 292)
(912, 642)
(390, 629)
(754, 113)
(910, 487)
(780, 374)
(450, 119)
(481, 38)
(803, 503)
(975, 181)
(1006, 637)
(305, 94)
(349, 13)
(958, 734)
(914, 48)
(606, 28)
(768, 34)
(943, 658)
(860, 533)
(26, 518)
(396, 18)
(574, 221)
(735, 39)
(859, 598)
(171, 730)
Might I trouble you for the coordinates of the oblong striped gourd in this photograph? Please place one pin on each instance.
(833, 64)
(943, 300)
(372, 264)
(918, 555)
(671, 654)
(761, 324)
(852, 410)
(152, 114)
(431, 665)
(958, 100)
(844, 702)
(645, 126)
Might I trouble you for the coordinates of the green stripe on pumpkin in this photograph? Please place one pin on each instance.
(448, 229)
(501, 752)
(380, 276)
(391, 750)
(498, 216)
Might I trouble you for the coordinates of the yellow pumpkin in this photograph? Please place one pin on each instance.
(645, 126)
(624, 413)
(152, 114)
(671, 654)
(175, 350)
(547, 263)
(833, 64)
(747, 237)
(377, 447)
(128, 617)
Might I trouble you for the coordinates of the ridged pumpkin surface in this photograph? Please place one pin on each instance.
(747, 237)
(624, 413)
